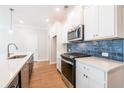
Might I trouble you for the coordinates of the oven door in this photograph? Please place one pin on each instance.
(68, 71)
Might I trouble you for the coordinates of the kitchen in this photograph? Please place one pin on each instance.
(62, 46)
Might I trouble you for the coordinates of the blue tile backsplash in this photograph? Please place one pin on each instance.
(113, 47)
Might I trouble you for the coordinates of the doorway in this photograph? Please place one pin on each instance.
(53, 50)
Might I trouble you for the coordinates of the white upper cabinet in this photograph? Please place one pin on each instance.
(106, 21)
(90, 22)
(64, 34)
(102, 22)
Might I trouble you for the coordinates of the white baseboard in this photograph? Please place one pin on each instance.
(42, 60)
(53, 62)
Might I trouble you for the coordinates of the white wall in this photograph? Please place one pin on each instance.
(51, 42)
(74, 17)
(123, 28)
(43, 45)
(27, 38)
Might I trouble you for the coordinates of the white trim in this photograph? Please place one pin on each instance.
(42, 60)
(30, 26)
(52, 62)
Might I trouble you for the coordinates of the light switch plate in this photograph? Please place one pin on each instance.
(104, 54)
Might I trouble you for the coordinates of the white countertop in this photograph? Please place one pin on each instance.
(10, 68)
(101, 63)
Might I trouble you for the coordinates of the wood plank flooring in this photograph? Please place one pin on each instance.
(45, 75)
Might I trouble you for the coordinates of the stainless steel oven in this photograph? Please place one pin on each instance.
(68, 72)
(68, 66)
(76, 34)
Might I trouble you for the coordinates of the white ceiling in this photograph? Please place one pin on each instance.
(32, 15)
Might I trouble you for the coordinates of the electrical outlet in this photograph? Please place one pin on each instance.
(104, 54)
(69, 50)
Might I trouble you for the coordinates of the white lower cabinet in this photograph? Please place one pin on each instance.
(93, 83)
(87, 77)
(90, 77)
(81, 80)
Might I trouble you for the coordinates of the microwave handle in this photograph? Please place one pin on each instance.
(76, 34)
(68, 62)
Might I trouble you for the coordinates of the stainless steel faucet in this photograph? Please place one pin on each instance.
(8, 51)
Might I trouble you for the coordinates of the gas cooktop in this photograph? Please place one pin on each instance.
(74, 55)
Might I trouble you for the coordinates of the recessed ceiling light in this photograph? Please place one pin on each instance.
(47, 20)
(57, 9)
(11, 31)
(21, 21)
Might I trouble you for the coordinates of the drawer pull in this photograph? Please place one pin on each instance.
(86, 76)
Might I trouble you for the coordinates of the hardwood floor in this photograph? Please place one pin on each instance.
(46, 76)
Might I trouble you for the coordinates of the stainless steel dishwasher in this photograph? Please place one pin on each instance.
(25, 76)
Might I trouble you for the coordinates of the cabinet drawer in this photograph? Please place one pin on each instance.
(81, 66)
(96, 74)
(92, 72)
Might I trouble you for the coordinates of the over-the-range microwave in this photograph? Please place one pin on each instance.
(76, 34)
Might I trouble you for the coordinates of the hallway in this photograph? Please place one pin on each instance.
(45, 75)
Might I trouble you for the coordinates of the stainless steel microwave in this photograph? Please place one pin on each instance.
(76, 34)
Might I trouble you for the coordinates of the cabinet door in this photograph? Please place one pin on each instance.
(106, 21)
(64, 33)
(81, 80)
(96, 77)
(93, 83)
(59, 64)
(90, 22)
(31, 63)
(25, 76)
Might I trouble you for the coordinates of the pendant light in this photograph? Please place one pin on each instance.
(11, 20)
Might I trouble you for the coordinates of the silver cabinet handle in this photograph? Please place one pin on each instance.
(95, 35)
(84, 67)
(86, 76)
(76, 34)
(67, 61)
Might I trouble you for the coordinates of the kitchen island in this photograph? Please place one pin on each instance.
(10, 68)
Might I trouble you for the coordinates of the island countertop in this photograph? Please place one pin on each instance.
(9, 68)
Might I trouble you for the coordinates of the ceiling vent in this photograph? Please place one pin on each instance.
(66, 6)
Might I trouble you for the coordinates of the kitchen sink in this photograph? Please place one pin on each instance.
(17, 56)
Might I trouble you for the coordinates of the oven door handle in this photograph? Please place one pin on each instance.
(68, 62)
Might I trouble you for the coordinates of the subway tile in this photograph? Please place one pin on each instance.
(113, 47)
